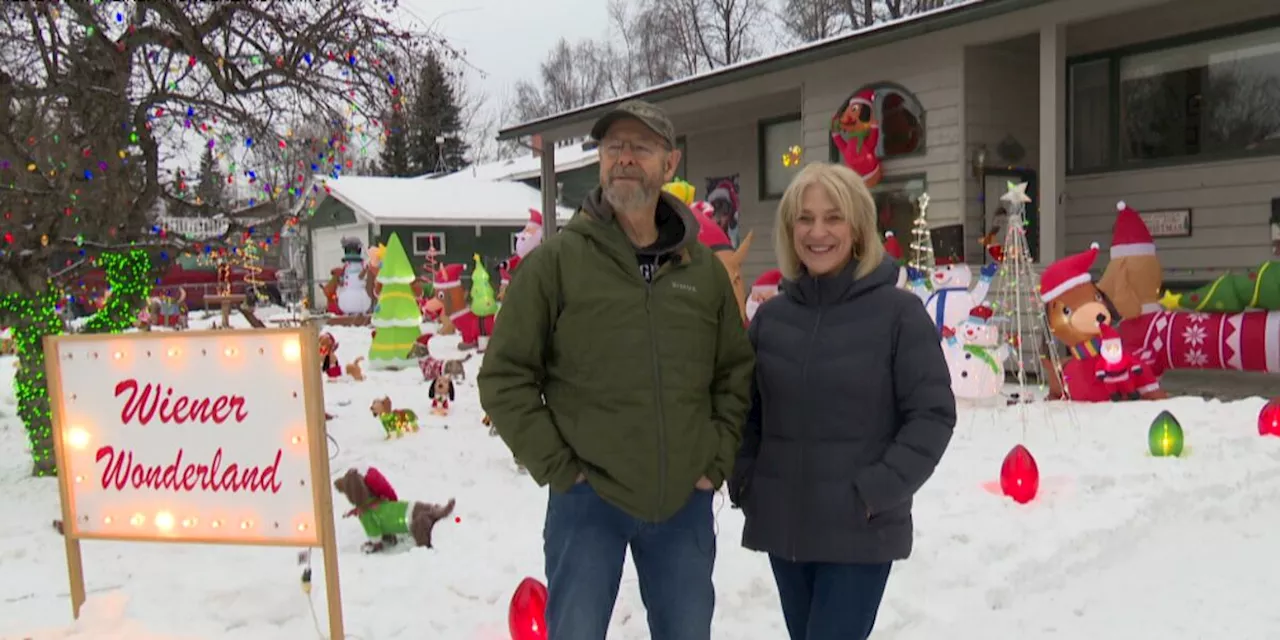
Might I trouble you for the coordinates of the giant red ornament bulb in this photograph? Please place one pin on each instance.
(1019, 476)
(527, 617)
(1269, 418)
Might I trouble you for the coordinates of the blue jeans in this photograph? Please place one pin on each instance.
(585, 542)
(827, 600)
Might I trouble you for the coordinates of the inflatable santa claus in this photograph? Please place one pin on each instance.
(765, 287)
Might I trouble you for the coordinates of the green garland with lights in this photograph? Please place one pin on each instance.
(129, 284)
(129, 278)
(34, 319)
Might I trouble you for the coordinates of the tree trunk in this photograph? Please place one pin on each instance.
(32, 318)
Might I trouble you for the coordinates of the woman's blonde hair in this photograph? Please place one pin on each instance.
(850, 195)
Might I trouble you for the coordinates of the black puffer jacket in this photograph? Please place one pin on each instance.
(851, 412)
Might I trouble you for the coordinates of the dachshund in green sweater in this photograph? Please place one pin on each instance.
(386, 518)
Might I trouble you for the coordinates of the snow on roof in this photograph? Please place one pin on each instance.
(690, 79)
(453, 200)
(525, 167)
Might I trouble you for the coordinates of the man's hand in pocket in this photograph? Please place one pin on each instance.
(704, 484)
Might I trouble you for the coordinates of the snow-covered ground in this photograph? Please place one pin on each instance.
(1119, 544)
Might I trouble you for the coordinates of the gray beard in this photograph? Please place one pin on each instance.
(626, 200)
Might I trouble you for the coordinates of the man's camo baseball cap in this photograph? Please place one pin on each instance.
(648, 114)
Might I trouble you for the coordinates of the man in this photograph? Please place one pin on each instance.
(619, 374)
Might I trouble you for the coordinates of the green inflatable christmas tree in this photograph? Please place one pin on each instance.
(483, 301)
(1233, 293)
(396, 317)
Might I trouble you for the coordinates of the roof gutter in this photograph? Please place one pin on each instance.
(840, 46)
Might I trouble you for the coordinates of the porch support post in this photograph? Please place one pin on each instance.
(1053, 143)
(549, 187)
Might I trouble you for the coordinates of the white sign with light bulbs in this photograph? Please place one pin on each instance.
(200, 437)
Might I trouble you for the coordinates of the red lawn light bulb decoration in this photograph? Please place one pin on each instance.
(527, 617)
(1019, 475)
(1269, 418)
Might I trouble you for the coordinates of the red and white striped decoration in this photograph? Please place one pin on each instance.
(1248, 341)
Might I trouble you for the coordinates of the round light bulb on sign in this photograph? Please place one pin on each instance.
(77, 438)
(292, 351)
(164, 521)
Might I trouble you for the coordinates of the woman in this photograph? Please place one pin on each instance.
(852, 409)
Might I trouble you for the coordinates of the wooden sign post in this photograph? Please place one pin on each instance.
(211, 437)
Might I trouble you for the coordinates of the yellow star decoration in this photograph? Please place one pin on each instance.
(1171, 301)
(792, 157)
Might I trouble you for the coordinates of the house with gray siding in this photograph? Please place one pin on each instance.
(1170, 105)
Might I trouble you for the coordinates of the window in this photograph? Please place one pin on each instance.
(1215, 97)
(682, 170)
(896, 205)
(423, 243)
(776, 138)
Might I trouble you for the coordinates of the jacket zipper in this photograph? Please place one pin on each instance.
(804, 379)
(657, 396)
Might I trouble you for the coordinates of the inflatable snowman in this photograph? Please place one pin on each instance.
(353, 286)
(950, 299)
(975, 356)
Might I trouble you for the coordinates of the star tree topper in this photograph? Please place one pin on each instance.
(1017, 193)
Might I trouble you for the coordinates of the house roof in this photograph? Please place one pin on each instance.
(880, 34)
(525, 167)
(457, 200)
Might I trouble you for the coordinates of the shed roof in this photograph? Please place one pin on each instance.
(876, 35)
(453, 200)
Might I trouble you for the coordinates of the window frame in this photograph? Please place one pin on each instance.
(682, 169)
(1114, 56)
(762, 161)
(514, 236)
(427, 234)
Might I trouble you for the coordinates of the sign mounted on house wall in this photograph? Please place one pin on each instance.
(878, 121)
(1170, 223)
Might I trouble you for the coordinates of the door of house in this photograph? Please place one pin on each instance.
(995, 183)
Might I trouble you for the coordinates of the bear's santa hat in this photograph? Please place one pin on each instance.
(980, 314)
(1067, 274)
(449, 276)
(1130, 236)
(767, 282)
(892, 247)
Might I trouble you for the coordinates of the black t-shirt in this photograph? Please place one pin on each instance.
(670, 233)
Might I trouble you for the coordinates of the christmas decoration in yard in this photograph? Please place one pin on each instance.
(527, 614)
(1241, 340)
(397, 317)
(484, 302)
(765, 287)
(921, 257)
(395, 422)
(1019, 475)
(1115, 368)
(531, 235)
(1259, 288)
(975, 356)
(682, 190)
(329, 356)
(33, 317)
(353, 287)
(893, 249)
(251, 260)
(855, 132)
(1165, 436)
(441, 393)
(386, 518)
(456, 311)
(1269, 418)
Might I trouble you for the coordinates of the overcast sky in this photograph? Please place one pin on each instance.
(507, 39)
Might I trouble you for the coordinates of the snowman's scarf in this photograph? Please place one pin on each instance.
(983, 354)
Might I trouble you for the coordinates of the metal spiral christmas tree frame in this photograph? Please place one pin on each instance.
(1021, 311)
